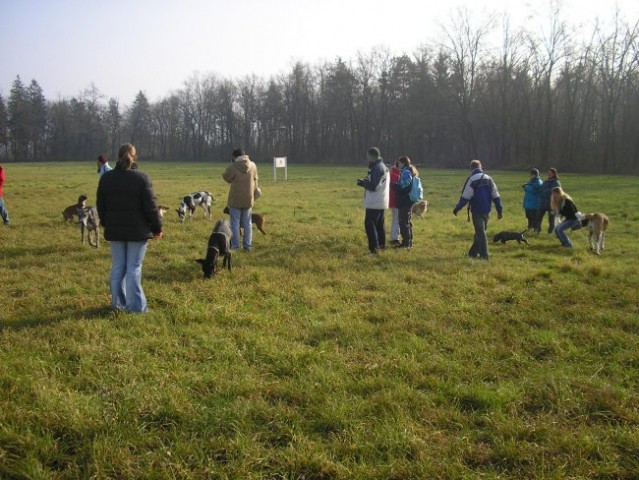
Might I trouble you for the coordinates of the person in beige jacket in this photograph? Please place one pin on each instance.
(242, 175)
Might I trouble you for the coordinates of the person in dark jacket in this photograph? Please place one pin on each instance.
(544, 199)
(404, 203)
(392, 204)
(376, 187)
(480, 191)
(532, 195)
(565, 207)
(129, 214)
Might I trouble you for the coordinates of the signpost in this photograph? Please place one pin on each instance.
(280, 162)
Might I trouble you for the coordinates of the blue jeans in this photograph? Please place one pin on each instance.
(3, 211)
(479, 248)
(560, 231)
(126, 276)
(241, 217)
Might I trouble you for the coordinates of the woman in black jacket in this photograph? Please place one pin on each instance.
(564, 206)
(128, 212)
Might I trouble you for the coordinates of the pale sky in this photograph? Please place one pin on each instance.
(124, 46)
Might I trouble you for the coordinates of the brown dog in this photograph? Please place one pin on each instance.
(75, 209)
(420, 208)
(256, 218)
(597, 226)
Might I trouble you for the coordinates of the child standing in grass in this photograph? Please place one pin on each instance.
(3, 209)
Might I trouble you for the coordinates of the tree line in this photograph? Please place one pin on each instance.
(541, 98)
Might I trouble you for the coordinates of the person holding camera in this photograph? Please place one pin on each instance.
(376, 193)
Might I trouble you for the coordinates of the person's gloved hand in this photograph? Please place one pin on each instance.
(455, 211)
(360, 182)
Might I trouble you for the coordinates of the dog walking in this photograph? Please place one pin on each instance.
(479, 192)
(4, 213)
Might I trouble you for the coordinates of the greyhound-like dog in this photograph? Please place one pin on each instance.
(219, 244)
(90, 222)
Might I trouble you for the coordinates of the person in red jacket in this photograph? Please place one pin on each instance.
(3, 209)
(392, 204)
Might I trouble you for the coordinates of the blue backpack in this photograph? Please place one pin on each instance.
(416, 190)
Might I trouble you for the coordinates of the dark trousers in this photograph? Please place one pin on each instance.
(479, 248)
(374, 225)
(406, 225)
(551, 219)
(534, 222)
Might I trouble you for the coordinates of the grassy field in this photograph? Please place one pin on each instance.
(313, 360)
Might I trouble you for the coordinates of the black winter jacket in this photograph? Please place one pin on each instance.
(126, 206)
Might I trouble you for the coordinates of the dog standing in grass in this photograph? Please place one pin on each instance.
(256, 218)
(597, 226)
(74, 209)
(90, 222)
(219, 244)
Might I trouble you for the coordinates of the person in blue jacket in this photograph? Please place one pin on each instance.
(532, 197)
(404, 203)
(548, 186)
(481, 192)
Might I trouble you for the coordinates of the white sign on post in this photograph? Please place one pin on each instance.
(280, 162)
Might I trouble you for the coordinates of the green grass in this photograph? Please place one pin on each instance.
(312, 360)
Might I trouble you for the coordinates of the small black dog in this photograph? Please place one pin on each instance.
(219, 244)
(505, 236)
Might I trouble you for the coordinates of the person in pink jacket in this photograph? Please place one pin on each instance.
(3, 209)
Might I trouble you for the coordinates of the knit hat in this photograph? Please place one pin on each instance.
(374, 152)
(534, 171)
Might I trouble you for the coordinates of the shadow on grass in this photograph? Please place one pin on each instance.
(32, 321)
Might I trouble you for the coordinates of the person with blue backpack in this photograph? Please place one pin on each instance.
(409, 190)
(479, 192)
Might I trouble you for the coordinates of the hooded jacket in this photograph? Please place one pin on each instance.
(532, 194)
(126, 206)
(242, 175)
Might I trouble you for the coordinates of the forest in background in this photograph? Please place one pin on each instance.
(548, 97)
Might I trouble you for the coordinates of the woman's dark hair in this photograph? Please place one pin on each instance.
(404, 160)
(126, 157)
(238, 152)
(554, 172)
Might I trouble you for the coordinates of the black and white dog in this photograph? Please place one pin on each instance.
(188, 204)
(219, 244)
(506, 236)
(90, 222)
